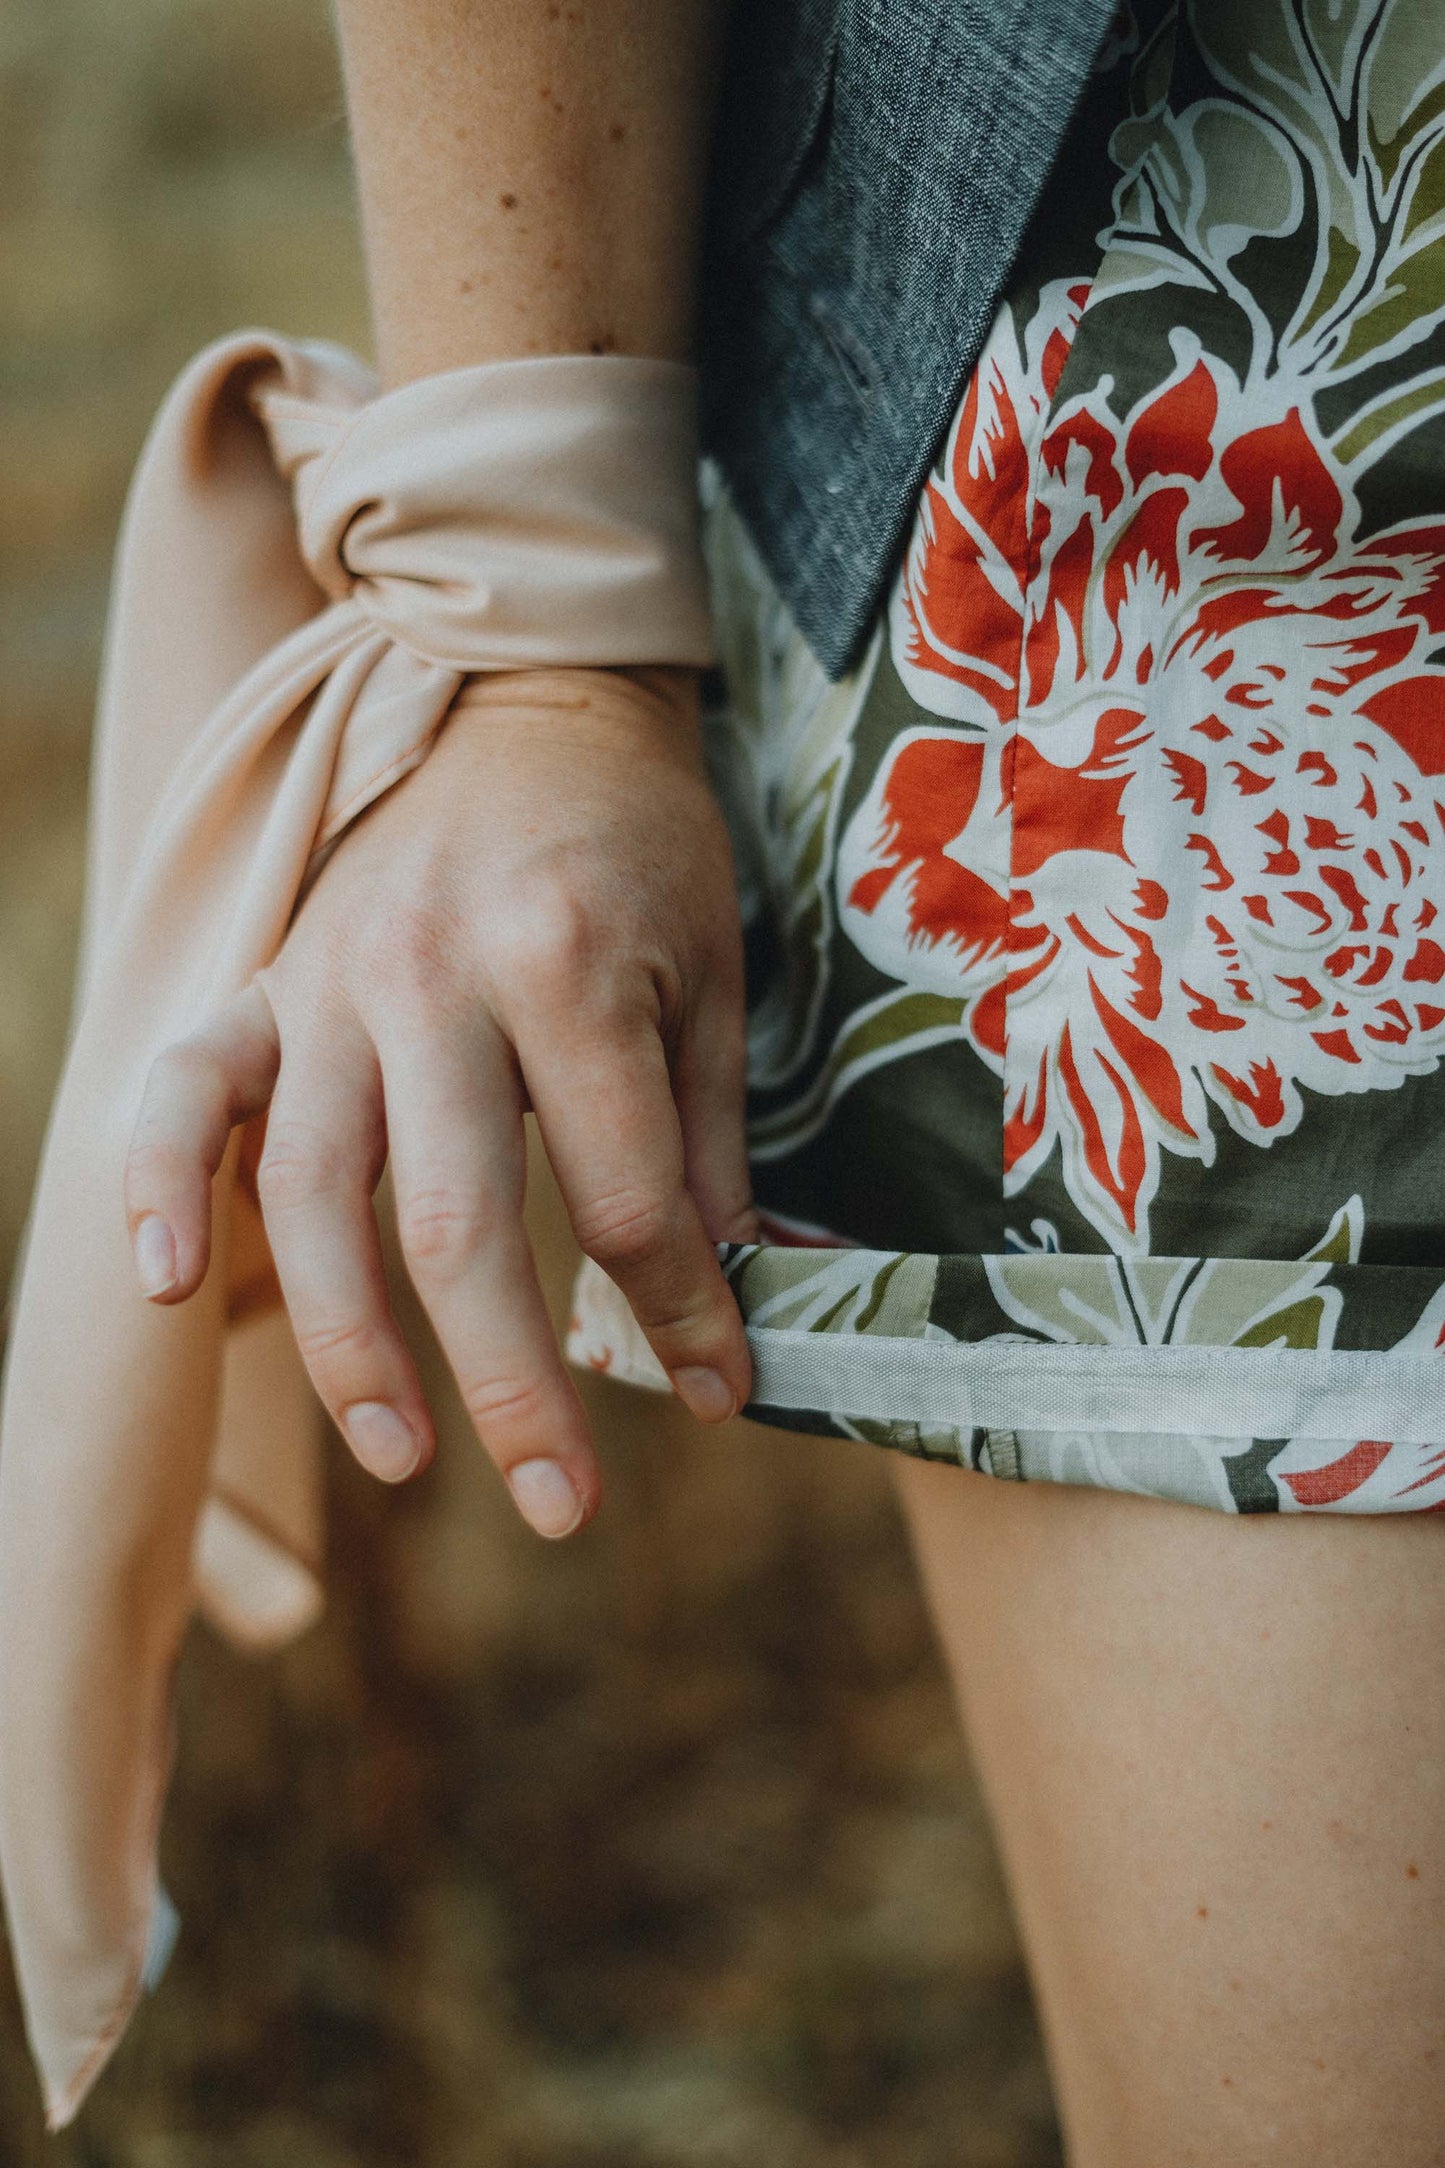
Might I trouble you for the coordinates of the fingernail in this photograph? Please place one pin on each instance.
(154, 1247)
(546, 1496)
(382, 1440)
(710, 1398)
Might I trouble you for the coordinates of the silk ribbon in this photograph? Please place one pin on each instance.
(307, 572)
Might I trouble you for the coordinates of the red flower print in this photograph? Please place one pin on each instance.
(922, 881)
(1182, 847)
(970, 543)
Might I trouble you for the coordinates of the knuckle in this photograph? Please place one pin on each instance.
(417, 944)
(491, 1402)
(298, 1164)
(442, 1230)
(680, 1322)
(622, 1230)
(551, 937)
(153, 1162)
(338, 1343)
(189, 1068)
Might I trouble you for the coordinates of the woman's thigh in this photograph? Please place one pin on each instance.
(1214, 1749)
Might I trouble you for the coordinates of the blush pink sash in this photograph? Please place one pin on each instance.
(307, 571)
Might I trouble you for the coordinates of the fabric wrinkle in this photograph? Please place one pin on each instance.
(308, 571)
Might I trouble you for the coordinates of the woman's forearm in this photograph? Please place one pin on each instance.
(530, 174)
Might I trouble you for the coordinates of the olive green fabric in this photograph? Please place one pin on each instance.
(1095, 918)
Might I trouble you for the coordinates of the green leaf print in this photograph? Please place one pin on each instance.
(1340, 1243)
(1389, 418)
(1406, 302)
(781, 753)
(1300, 1324)
(835, 1290)
(1406, 82)
(1180, 1301)
(899, 1023)
(1426, 217)
(1325, 137)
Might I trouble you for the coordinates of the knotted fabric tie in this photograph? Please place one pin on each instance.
(271, 667)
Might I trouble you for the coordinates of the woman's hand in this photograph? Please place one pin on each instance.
(542, 915)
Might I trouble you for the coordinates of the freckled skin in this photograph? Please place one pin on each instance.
(591, 120)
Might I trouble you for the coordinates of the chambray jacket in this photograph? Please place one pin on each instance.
(875, 164)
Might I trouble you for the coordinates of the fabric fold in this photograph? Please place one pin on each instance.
(307, 572)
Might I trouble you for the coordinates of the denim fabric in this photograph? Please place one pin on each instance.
(875, 166)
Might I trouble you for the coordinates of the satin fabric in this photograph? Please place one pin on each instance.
(307, 572)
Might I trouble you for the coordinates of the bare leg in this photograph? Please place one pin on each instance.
(1215, 1754)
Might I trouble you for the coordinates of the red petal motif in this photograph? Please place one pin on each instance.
(1151, 538)
(1171, 435)
(1273, 634)
(1123, 1181)
(1328, 1485)
(1099, 444)
(931, 791)
(1067, 590)
(1262, 1093)
(1062, 809)
(1413, 714)
(1276, 466)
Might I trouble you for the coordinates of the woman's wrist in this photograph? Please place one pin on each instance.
(658, 704)
(512, 515)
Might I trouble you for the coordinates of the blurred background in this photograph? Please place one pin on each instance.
(657, 1850)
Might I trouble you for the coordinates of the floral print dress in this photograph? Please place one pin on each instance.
(1096, 921)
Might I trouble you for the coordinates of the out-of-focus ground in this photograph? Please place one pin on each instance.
(656, 1850)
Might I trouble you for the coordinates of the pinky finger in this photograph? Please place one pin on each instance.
(196, 1093)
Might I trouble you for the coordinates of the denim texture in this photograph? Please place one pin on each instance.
(874, 169)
